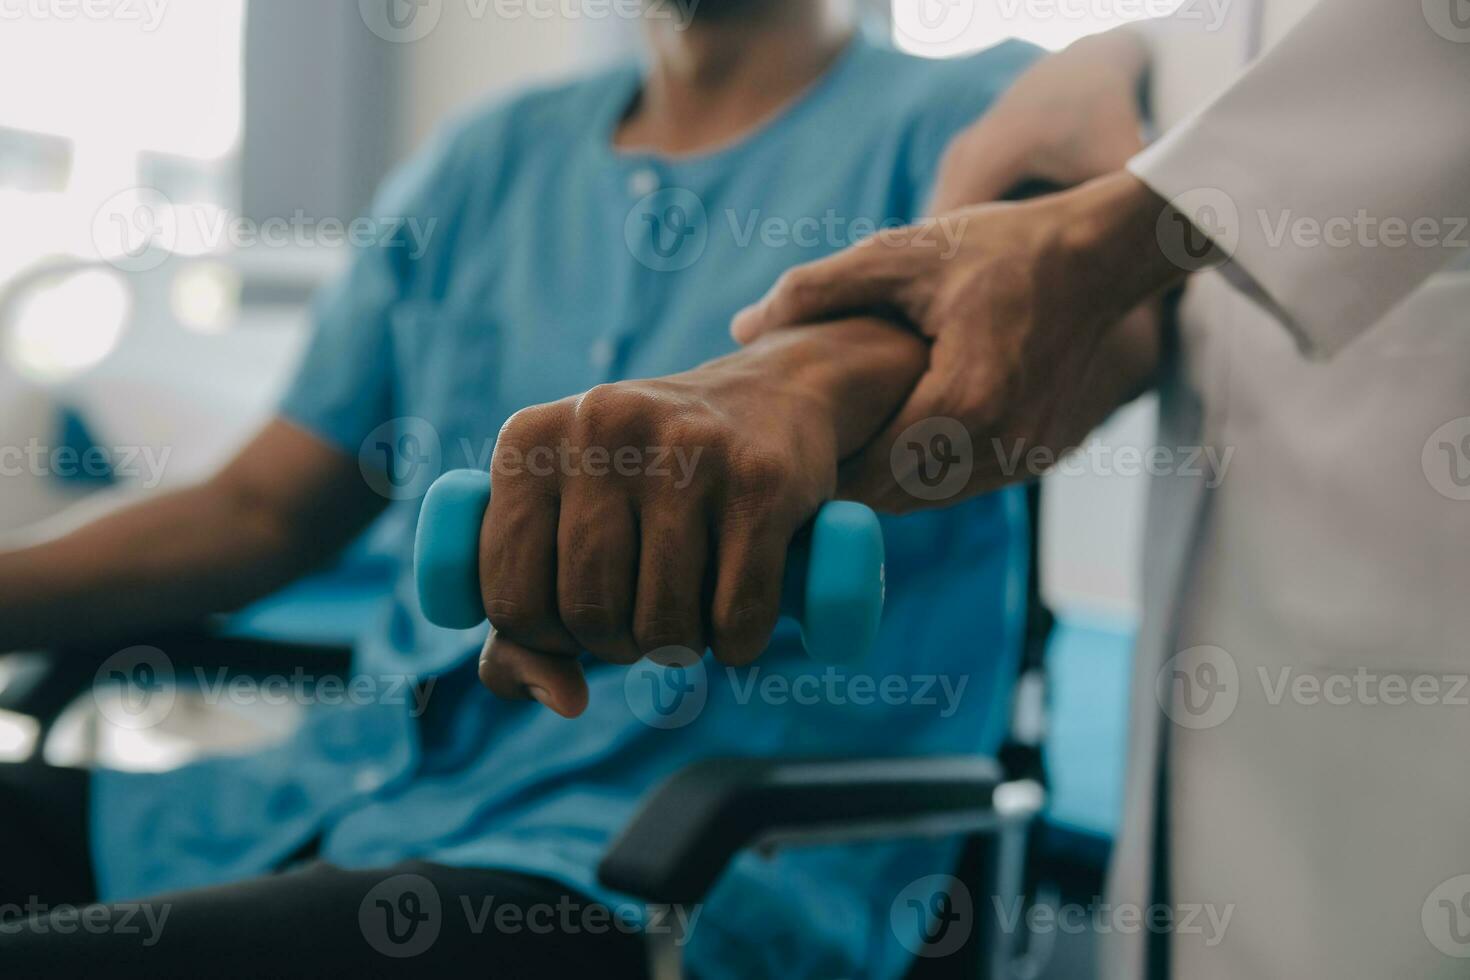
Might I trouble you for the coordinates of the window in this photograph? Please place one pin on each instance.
(941, 28)
(105, 98)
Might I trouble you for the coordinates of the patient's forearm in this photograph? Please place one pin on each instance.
(164, 562)
(856, 372)
(283, 505)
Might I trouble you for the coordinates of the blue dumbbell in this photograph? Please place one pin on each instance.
(833, 586)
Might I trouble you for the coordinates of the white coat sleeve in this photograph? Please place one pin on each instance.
(1344, 154)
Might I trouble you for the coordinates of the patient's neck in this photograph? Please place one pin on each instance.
(717, 78)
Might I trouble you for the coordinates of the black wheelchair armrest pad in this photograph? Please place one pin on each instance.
(42, 684)
(690, 827)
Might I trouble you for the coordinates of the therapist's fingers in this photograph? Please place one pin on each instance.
(517, 673)
(876, 275)
(597, 568)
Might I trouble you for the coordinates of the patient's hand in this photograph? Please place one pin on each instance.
(650, 514)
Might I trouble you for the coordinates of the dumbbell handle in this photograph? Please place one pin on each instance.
(833, 586)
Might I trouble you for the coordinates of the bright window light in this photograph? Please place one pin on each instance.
(18, 736)
(206, 296)
(61, 330)
(944, 28)
(151, 76)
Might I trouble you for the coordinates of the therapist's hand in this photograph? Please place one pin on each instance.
(653, 514)
(1021, 301)
(1030, 307)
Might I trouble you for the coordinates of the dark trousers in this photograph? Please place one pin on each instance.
(313, 920)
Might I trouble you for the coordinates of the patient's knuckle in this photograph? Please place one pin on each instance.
(766, 475)
(610, 414)
(530, 426)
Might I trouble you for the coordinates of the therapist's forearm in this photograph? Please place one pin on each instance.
(173, 560)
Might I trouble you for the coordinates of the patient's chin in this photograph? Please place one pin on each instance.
(708, 11)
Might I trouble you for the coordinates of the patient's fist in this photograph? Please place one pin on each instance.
(649, 514)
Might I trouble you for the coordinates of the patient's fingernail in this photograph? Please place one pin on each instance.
(540, 694)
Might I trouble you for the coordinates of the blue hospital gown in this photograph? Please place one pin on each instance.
(542, 262)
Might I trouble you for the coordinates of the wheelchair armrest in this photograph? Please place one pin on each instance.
(41, 685)
(690, 827)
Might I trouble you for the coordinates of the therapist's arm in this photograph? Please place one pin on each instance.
(684, 543)
(1020, 308)
(286, 503)
(1036, 340)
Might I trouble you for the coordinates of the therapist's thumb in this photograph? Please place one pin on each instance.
(861, 279)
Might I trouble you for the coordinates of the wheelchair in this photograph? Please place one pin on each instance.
(687, 830)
